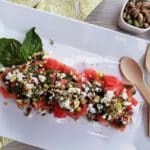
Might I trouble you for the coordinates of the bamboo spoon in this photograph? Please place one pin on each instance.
(134, 73)
(147, 65)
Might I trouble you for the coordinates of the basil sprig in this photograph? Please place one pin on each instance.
(12, 52)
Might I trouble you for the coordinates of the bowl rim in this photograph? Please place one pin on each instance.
(127, 24)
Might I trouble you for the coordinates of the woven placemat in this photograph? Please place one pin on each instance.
(77, 9)
(4, 141)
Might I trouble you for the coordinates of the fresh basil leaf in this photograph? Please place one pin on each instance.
(9, 52)
(12, 52)
(32, 44)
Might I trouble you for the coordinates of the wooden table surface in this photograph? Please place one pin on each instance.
(105, 15)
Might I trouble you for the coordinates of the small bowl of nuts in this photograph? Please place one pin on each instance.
(135, 16)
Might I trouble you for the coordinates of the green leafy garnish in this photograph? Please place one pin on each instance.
(12, 52)
(31, 44)
(9, 52)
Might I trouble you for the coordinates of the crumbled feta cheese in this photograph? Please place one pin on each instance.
(84, 86)
(98, 89)
(58, 75)
(29, 86)
(108, 97)
(58, 84)
(124, 122)
(78, 90)
(83, 78)
(89, 94)
(74, 77)
(29, 94)
(124, 94)
(47, 55)
(107, 104)
(127, 103)
(99, 106)
(104, 116)
(63, 75)
(105, 100)
(57, 90)
(8, 76)
(50, 97)
(41, 92)
(11, 76)
(61, 98)
(110, 94)
(13, 66)
(97, 83)
(66, 104)
(31, 74)
(91, 109)
(83, 94)
(74, 90)
(109, 117)
(87, 89)
(35, 80)
(41, 78)
(20, 76)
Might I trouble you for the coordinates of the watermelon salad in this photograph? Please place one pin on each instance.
(46, 85)
(51, 87)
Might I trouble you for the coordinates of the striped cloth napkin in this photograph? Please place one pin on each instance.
(77, 9)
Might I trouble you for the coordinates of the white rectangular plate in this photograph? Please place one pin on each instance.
(72, 38)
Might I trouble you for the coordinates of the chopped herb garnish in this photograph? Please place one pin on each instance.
(52, 42)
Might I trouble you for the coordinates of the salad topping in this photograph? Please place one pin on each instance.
(50, 86)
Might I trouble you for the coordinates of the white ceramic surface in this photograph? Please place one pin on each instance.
(74, 41)
(130, 28)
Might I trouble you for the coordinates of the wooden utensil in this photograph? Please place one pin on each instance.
(147, 65)
(147, 59)
(134, 73)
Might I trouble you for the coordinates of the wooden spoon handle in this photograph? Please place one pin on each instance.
(145, 92)
(148, 81)
(149, 120)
